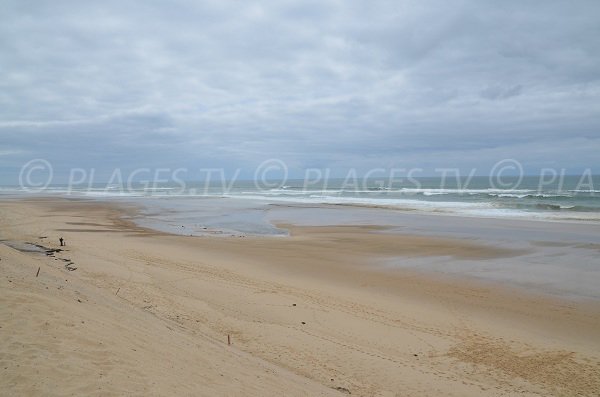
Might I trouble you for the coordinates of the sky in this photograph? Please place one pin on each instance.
(322, 84)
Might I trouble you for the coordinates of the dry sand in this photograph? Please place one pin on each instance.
(146, 313)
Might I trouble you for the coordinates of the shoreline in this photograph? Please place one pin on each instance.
(312, 304)
(410, 206)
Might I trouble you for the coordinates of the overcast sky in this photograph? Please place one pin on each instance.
(335, 84)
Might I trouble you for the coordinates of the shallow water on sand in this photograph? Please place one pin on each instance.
(558, 258)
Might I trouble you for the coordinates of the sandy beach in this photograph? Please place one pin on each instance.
(125, 310)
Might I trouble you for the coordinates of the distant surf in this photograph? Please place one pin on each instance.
(569, 198)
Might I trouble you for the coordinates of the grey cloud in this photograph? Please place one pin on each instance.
(499, 92)
(198, 83)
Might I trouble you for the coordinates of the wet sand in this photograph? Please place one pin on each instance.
(149, 313)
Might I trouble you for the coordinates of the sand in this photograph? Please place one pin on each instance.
(146, 313)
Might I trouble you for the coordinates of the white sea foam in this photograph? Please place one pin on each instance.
(465, 191)
(476, 209)
(366, 201)
(107, 193)
(539, 195)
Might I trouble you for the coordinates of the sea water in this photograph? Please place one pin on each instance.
(571, 198)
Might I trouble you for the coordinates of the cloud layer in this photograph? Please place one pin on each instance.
(318, 84)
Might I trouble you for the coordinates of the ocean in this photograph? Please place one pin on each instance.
(248, 207)
(566, 198)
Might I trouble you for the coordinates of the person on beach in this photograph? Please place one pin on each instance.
(62, 241)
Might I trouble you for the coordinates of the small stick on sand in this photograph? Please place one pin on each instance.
(38, 272)
(118, 289)
(228, 339)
